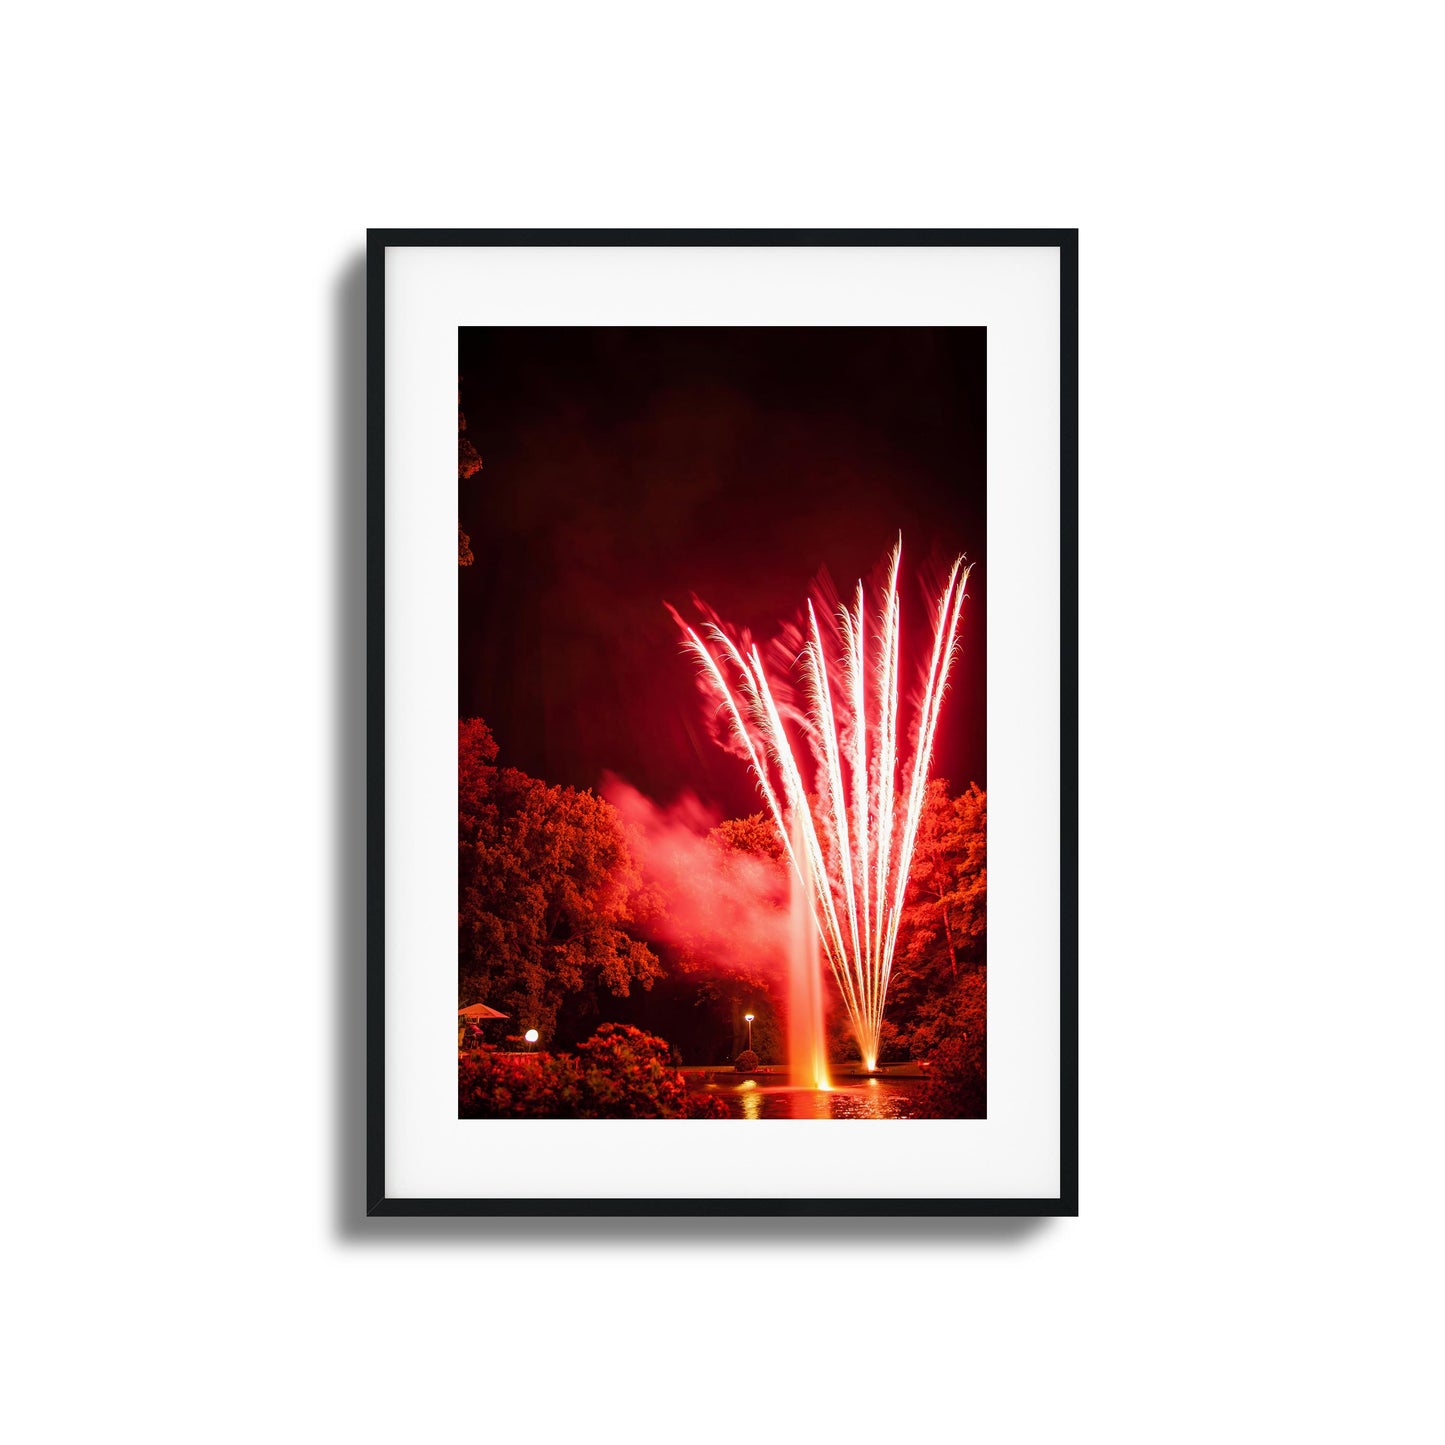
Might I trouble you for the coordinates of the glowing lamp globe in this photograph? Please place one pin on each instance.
(530, 1036)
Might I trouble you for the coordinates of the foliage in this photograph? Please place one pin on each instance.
(619, 1073)
(755, 834)
(746, 1062)
(469, 463)
(958, 1011)
(840, 1041)
(520, 1086)
(548, 889)
(893, 1043)
(629, 1073)
(957, 1086)
(770, 1031)
(952, 1034)
(553, 908)
(939, 970)
(946, 909)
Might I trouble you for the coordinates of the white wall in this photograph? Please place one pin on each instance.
(187, 191)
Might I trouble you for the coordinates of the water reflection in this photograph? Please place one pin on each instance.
(859, 1099)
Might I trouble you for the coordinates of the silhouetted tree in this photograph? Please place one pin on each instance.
(469, 463)
(952, 1032)
(547, 890)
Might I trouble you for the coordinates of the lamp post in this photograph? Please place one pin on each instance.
(531, 1038)
(749, 1018)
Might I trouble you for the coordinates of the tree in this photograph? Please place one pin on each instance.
(937, 986)
(619, 1073)
(756, 834)
(952, 1032)
(469, 463)
(946, 910)
(548, 889)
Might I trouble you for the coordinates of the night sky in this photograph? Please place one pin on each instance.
(622, 468)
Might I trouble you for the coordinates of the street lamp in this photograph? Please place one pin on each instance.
(749, 1018)
(531, 1037)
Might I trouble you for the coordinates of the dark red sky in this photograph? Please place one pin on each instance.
(622, 467)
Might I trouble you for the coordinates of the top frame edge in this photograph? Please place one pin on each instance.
(1066, 239)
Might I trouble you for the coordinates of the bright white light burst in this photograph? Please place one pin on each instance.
(857, 839)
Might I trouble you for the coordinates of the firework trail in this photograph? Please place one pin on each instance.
(852, 843)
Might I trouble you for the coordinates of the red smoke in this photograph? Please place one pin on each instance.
(721, 905)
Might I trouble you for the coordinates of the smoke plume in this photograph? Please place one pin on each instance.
(722, 905)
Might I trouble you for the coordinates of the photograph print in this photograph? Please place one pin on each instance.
(722, 782)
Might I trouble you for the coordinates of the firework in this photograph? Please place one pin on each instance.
(851, 842)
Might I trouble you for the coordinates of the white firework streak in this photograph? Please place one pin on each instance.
(856, 905)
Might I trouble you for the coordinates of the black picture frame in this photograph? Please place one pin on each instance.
(377, 1202)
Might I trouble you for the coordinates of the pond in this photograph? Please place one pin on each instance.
(776, 1098)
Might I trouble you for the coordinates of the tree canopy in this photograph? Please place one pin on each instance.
(937, 988)
(945, 911)
(548, 890)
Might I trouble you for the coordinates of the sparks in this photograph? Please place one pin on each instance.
(853, 849)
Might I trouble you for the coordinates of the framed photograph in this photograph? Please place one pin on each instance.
(722, 722)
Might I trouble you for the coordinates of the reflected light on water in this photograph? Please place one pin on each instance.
(877, 1099)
